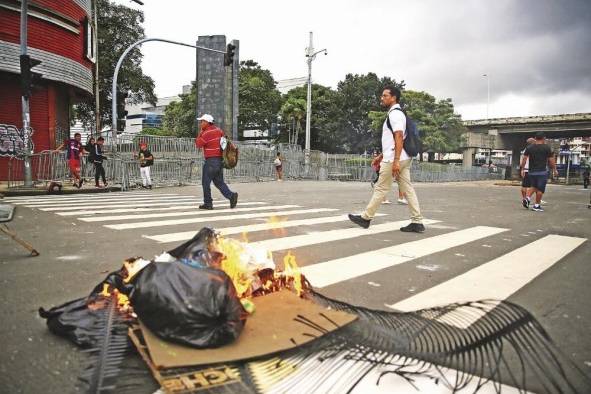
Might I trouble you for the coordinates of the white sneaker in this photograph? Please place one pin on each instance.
(402, 201)
(386, 202)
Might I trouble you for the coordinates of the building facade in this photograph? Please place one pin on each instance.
(61, 36)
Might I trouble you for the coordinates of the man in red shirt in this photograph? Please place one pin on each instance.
(209, 139)
(74, 150)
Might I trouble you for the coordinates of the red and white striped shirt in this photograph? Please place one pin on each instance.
(209, 140)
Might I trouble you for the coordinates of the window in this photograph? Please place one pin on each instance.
(89, 39)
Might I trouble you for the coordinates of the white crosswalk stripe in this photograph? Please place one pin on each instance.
(167, 199)
(174, 222)
(338, 270)
(193, 212)
(100, 196)
(131, 204)
(175, 207)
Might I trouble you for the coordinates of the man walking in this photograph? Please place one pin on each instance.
(209, 139)
(525, 182)
(395, 164)
(98, 162)
(539, 155)
(74, 150)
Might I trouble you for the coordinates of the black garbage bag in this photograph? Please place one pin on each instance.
(74, 321)
(184, 303)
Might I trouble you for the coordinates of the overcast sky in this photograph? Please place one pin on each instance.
(537, 53)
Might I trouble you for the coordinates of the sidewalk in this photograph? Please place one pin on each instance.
(67, 188)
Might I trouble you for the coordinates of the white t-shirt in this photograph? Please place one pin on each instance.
(277, 162)
(526, 167)
(398, 122)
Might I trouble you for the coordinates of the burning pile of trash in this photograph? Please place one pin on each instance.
(199, 294)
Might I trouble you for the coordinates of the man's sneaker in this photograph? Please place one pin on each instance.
(206, 206)
(525, 203)
(538, 208)
(357, 219)
(80, 183)
(386, 201)
(150, 187)
(402, 201)
(233, 200)
(413, 228)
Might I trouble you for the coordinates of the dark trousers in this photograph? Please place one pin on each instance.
(585, 182)
(99, 172)
(213, 172)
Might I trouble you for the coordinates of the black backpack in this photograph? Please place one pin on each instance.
(412, 142)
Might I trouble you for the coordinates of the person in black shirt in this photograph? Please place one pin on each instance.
(98, 162)
(539, 155)
(146, 160)
(586, 178)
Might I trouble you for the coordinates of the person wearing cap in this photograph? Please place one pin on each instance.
(525, 182)
(539, 155)
(146, 161)
(209, 139)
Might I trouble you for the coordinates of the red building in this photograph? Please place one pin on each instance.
(60, 35)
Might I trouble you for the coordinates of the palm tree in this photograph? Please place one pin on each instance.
(294, 109)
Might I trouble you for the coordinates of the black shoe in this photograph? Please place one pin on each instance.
(206, 206)
(357, 219)
(150, 187)
(413, 228)
(525, 203)
(233, 200)
(81, 182)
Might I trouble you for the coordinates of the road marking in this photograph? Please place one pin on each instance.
(94, 197)
(338, 270)
(84, 195)
(251, 228)
(131, 204)
(174, 222)
(193, 212)
(87, 203)
(130, 210)
(329, 236)
(498, 279)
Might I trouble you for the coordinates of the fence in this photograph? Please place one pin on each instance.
(179, 162)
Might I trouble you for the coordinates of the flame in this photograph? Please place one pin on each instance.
(292, 271)
(277, 223)
(122, 300)
(245, 237)
(233, 265)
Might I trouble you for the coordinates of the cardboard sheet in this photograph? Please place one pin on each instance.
(270, 329)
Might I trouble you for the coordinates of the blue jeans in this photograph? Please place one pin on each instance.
(213, 171)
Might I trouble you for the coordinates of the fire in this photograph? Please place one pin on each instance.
(122, 300)
(277, 225)
(253, 271)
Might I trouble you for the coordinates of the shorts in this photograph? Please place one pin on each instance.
(526, 182)
(279, 168)
(74, 165)
(538, 182)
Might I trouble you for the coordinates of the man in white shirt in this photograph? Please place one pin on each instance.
(395, 164)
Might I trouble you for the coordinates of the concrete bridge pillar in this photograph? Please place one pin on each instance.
(468, 159)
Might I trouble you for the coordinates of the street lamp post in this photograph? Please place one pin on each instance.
(487, 93)
(311, 55)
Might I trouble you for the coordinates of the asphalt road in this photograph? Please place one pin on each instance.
(76, 255)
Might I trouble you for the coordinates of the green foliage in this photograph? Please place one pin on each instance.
(358, 96)
(118, 27)
(180, 117)
(158, 132)
(258, 96)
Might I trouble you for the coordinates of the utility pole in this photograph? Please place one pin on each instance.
(25, 98)
(97, 111)
(311, 55)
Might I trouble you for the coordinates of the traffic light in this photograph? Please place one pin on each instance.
(29, 78)
(121, 112)
(229, 55)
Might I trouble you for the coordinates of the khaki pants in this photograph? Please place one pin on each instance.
(384, 185)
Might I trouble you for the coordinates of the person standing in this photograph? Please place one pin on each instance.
(146, 160)
(278, 163)
(525, 182)
(209, 139)
(74, 152)
(394, 164)
(540, 156)
(586, 178)
(98, 162)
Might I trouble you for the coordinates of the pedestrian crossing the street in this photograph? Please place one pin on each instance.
(168, 219)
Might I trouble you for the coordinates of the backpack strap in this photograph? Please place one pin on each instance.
(388, 119)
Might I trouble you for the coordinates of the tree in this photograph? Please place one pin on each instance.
(118, 27)
(325, 115)
(180, 116)
(293, 111)
(358, 96)
(258, 96)
(441, 129)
